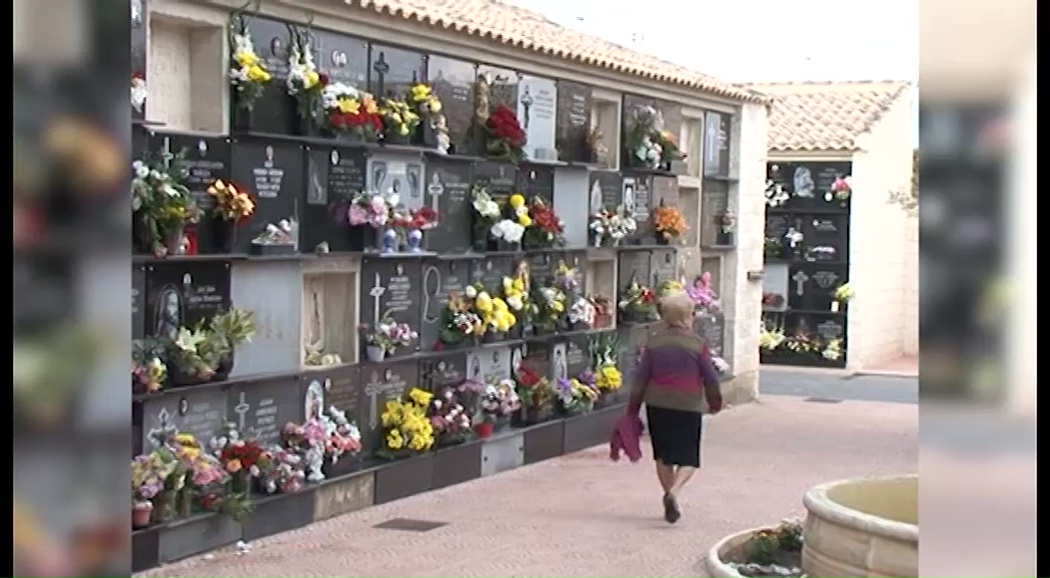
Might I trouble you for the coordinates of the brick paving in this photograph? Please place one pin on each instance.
(582, 515)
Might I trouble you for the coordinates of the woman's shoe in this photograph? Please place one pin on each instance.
(671, 511)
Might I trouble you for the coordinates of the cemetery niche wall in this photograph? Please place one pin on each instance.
(806, 289)
(432, 259)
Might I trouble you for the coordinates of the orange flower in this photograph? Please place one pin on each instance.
(669, 222)
(233, 466)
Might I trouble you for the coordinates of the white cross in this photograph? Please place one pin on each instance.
(800, 279)
(166, 153)
(241, 409)
(436, 189)
(372, 390)
(376, 293)
(163, 426)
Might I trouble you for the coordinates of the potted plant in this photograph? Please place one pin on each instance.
(248, 74)
(243, 458)
(383, 339)
(350, 114)
(162, 204)
(305, 83)
(638, 304)
(574, 397)
(232, 207)
(544, 229)
(459, 321)
(504, 137)
(148, 474)
(726, 222)
(400, 121)
(842, 295)
(536, 395)
(759, 553)
(230, 329)
(498, 403)
(668, 224)
(367, 214)
(405, 428)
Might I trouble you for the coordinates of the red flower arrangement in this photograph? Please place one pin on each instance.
(422, 218)
(545, 229)
(244, 455)
(361, 119)
(505, 135)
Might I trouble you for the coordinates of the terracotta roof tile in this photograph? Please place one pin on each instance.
(530, 30)
(825, 116)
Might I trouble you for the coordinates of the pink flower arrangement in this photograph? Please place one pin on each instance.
(449, 418)
(303, 436)
(343, 437)
(703, 295)
(500, 400)
(286, 472)
(368, 209)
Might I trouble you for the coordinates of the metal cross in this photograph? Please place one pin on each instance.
(241, 409)
(372, 390)
(163, 420)
(800, 279)
(381, 67)
(436, 189)
(376, 293)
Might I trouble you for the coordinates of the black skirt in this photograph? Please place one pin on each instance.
(675, 435)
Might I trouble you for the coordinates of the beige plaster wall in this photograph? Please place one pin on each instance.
(910, 337)
(882, 252)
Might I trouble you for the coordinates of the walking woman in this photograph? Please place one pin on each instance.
(678, 384)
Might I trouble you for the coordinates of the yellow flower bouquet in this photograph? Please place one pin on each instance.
(400, 121)
(407, 430)
(248, 73)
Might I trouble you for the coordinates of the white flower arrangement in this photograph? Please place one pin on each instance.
(582, 311)
(485, 206)
(775, 194)
(248, 72)
(302, 72)
(138, 93)
(508, 231)
(833, 350)
(649, 152)
(337, 91)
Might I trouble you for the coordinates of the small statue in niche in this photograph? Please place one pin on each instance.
(596, 141)
(440, 126)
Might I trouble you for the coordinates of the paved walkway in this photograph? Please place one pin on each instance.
(582, 515)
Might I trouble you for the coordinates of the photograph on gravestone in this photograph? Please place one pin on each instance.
(333, 178)
(392, 288)
(637, 203)
(139, 27)
(182, 294)
(399, 177)
(201, 413)
(138, 305)
(663, 266)
(447, 191)
(439, 279)
(489, 365)
(577, 355)
(534, 180)
(260, 409)
(573, 122)
(606, 191)
(392, 71)
(502, 178)
(274, 111)
(826, 237)
(502, 86)
(205, 160)
(517, 357)
(380, 385)
(453, 83)
(272, 173)
(559, 364)
(537, 101)
(445, 370)
(633, 266)
(343, 58)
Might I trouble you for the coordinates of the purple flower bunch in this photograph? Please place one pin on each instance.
(587, 378)
(563, 388)
(369, 209)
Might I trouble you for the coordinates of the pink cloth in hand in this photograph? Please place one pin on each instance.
(626, 438)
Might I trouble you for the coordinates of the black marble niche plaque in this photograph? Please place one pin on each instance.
(664, 192)
(339, 387)
(453, 83)
(501, 178)
(445, 370)
(392, 71)
(536, 181)
(334, 176)
(439, 279)
(712, 328)
(274, 111)
(637, 202)
(343, 58)
(810, 287)
(577, 354)
(272, 172)
(394, 288)
(713, 202)
(380, 384)
(447, 190)
(716, 144)
(262, 408)
(138, 305)
(198, 412)
(139, 26)
(631, 104)
(672, 115)
(204, 160)
(142, 143)
(809, 183)
(183, 294)
(536, 357)
(826, 237)
(663, 266)
(633, 266)
(491, 271)
(540, 268)
(502, 87)
(605, 191)
(573, 121)
(490, 364)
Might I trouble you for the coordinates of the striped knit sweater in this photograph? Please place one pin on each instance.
(676, 372)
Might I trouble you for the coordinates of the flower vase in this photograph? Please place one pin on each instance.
(163, 506)
(184, 503)
(173, 241)
(535, 415)
(508, 247)
(484, 429)
(397, 139)
(353, 137)
(306, 126)
(662, 239)
(415, 241)
(375, 353)
(224, 234)
(242, 117)
(834, 306)
(500, 424)
(240, 482)
(597, 240)
(725, 238)
(388, 242)
(141, 514)
(222, 372)
(314, 459)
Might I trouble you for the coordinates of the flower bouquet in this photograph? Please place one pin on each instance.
(611, 227)
(608, 378)
(494, 312)
(148, 475)
(410, 224)
(400, 121)
(574, 397)
(841, 190)
(350, 113)
(309, 441)
(510, 229)
(384, 339)
(841, 296)
(427, 105)
(545, 229)
(703, 295)
(505, 138)
(668, 286)
(498, 404)
(243, 459)
(281, 238)
(286, 473)
(406, 428)
(343, 436)
(668, 224)
(638, 305)
(148, 370)
(643, 137)
(459, 321)
(581, 313)
(233, 206)
(248, 73)
(536, 395)
(204, 472)
(366, 214)
(517, 300)
(490, 228)
(305, 83)
(726, 222)
(721, 365)
(832, 350)
(449, 419)
(163, 205)
(550, 309)
(670, 153)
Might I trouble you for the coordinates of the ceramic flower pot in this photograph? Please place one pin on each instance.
(374, 353)
(163, 507)
(388, 242)
(415, 241)
(484, 429)
(141, 514)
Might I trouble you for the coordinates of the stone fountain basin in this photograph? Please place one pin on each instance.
(862, 527)
(728, 548)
